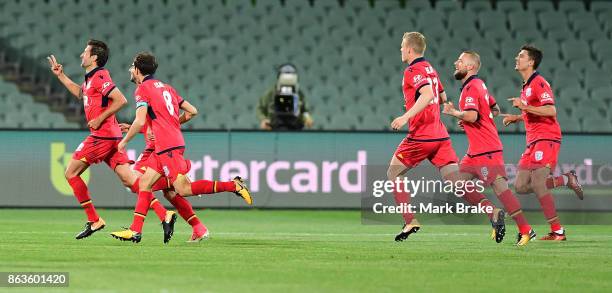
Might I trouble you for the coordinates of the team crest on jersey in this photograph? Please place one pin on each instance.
(528, 92)
(485, 172)
(539, 155)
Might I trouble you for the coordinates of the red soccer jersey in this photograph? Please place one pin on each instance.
(536, 92)
(163, 105)
(96, 88)
(482, 134)
(427, 124)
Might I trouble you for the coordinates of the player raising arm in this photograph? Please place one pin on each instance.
(101, 100)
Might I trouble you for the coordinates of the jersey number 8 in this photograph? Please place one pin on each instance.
(168, 99)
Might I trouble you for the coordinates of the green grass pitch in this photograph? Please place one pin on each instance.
(298, 251)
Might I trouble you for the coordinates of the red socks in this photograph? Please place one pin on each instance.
(475, 198)
(513, 206)
(82, 195)
(184, 209)
(140, 212)
(550, 212)
(403, 198)
(208, 187)
(159, 209)
(552, 182)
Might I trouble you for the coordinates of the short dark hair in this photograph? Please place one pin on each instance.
(100, 49)
(534, 54)
(145, 62)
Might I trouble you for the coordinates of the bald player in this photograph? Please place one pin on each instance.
(484, 159)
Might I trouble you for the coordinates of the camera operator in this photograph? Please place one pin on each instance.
(284, 107)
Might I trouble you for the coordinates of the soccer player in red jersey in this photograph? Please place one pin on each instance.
(158, 105)
(484, 159)
(182, 205)
(101, 100)
(427, 138)
(537, 104)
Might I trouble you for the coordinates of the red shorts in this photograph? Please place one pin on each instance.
(439, 153)
(170, 164)
(539, 154)
(94, 150)
(141, 163)
(486, 167)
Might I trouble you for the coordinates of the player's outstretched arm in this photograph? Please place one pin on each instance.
(139, 122)
(189, 111)
(118, 101)
(58, 70)
(426, 97)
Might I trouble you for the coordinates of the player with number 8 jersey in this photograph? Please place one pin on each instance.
(158, 106)
(163, 115)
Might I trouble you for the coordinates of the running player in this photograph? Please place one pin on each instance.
(427, 138)
(543, 134)
(157, 105)
(101, 100)
(484, 159)
(183, 207)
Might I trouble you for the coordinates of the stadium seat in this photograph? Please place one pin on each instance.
(509, 6)
(540, 6)
(552, 20)
(478, 6)
(596, 78)
(602, 8)
(596, 124)
(568, 6)
(573, 49)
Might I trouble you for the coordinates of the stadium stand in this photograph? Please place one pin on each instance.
(221, 54)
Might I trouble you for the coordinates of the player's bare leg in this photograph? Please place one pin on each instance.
(411, 225)
(94, 222)
(185, 210)
(547, 201)
(496, 217)
(522, 183)
(184, 187)
(513, 206)
(127, 176)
